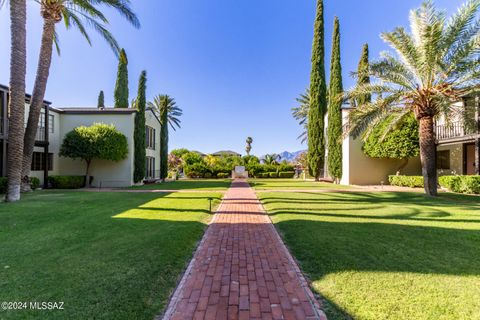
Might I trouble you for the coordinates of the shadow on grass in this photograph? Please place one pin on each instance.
(219, 184)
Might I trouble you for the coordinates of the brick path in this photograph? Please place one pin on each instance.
(242, 270)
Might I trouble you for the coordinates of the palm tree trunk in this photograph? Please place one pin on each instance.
(36, 103)
(428, 155)
(18, 69)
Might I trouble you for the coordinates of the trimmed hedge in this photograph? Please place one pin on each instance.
(222, 175)
(66, 182)
(461, 184)
(273, 174)
(286, 174)
(3, 185)
(406, 181)
(207, 175)
(34, 182)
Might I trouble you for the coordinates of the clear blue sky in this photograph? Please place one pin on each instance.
(234, 67)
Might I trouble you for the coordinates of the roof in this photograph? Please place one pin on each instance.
(96, 110)
(27, 95)
(226, 153)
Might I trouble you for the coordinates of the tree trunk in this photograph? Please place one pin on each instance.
(18, 69)
(87, 174)
(428, 155)
(38, 95)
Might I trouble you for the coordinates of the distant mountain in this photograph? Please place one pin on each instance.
(289, 156)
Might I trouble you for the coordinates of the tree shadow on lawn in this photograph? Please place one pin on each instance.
(187, 185)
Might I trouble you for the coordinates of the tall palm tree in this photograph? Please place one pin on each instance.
(433, 66)
(74, 13)
(18, 69)
(300, 113)
(169, 113)
(248, 147)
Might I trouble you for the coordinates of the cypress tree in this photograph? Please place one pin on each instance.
(334, 157)
(164, 137)
(318, 97)
(139, 130)
(101, 100)
(363, 76)
(121, 86)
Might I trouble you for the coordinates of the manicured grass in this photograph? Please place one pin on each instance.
(105, 255)
(294, 184)
(385, 255)
(194, 184)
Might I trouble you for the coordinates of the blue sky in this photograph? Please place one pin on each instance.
(234, 67)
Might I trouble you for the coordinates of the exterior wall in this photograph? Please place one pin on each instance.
(456, 159)
(105, 173)
(358, 169)
(152, 121)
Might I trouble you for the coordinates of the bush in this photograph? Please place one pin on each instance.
(195, 170)
(66, 182)
(3, 185)
(461, 184)
(207, 175)
(406, 181)
(34, 183)
(273, 175)
(286, 174)
(222, 175)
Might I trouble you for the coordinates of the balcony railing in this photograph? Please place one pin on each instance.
(40, 135)
(453, 130)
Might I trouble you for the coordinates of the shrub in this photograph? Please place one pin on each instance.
(195, 170)
(3, 185)
(406, 181)
(461, 184)
(34, 183)
(222, 175)
(286, 174)
(273, 174)
(66, 182)
(207, 175)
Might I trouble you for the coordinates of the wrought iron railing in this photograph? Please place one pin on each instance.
(452, 130)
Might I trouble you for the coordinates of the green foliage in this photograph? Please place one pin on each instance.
(406, 181)
(195, 170)
(300, 113)
(273, 174)
(66, 182)
(191, 157)
(318, 98)
(335, 108)
(121, 86)
(34, 183)
(363, 77)
(286, 174)
(461, 184)
(223, 175)
(3, 185)
(179, 152)
(99, 141)
(101, 100)
(401, 143)
(139, 130)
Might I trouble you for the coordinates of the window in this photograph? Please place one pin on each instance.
(443, 159)
(150, 168)
(38, 163)
(150, 136)
(51, 122)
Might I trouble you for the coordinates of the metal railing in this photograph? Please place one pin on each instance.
(453, 130)
(40, 135)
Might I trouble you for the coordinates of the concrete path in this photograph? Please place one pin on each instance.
(242, 269)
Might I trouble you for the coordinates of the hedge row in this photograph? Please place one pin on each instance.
(66, 182)
(460, 184)
(34, 183)
(282, 174)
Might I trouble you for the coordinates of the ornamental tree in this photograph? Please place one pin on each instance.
(101, 100)
(139, 130)
(121, 86)
(99, 141)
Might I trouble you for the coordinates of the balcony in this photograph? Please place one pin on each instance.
(455, 131)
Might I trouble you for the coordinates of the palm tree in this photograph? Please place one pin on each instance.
(18, 69)
(74, 13)
(169, 113)
(248, 148)
(433, 66)
(300, 113)
(271, 159)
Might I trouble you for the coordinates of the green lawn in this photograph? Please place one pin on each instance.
(105, 255)
(294, 184)
(385, 255)
(200, 184)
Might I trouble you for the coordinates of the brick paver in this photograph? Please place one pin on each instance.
(242, 269)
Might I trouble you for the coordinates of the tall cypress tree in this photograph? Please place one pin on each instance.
(318, 99)
(101, 100)
(335, 108)
(363, 76)
(121, 86)
(139, 130)
(165, 101)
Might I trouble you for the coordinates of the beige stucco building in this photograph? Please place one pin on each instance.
(59, 121)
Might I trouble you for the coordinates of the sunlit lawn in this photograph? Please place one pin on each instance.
(105, 255)
(385, 255)
(294, 184)
(189, 184)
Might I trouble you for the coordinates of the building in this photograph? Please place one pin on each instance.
(458, 150)
(55, 123)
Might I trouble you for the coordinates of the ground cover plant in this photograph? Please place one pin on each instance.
(105, 255)
(385, 255)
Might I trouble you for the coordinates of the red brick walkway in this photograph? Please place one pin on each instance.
(242, 270)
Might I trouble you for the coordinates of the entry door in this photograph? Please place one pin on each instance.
(470, 158)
